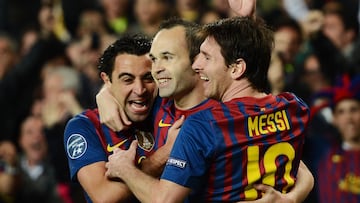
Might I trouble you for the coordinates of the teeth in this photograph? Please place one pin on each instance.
(139, 103)
(204, 78)
(164, 80)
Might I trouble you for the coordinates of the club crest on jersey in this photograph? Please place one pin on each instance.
(76, 146)
(145, 140)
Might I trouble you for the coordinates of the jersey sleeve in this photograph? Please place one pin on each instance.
(82, 144)
(190, 155)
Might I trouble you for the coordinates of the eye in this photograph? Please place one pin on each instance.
(153, 59)
(127, 79)
(168, 57)
(207, 57)
(148, 78)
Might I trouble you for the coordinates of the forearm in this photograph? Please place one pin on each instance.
(99, 188)
(303, 185)
(110, 192)
(142, 185)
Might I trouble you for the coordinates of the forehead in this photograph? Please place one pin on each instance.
(210, 46)
(169, 40)
(286, 33)
(128, 63)
(31, 123)
(346, 103)
(332, 18)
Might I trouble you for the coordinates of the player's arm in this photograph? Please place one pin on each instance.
(87, 162)
(154, 164)
(99, 188)
(303, 186)
(146, 188)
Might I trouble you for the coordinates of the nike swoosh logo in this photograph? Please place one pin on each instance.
(161, 124)
(111, 148)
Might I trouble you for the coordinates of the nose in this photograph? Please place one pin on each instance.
(196, 66)
(139, 87)
(157, 67)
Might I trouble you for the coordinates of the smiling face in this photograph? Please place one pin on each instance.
(32, 139)
(171, 66)
(210, 65)
(132, 85)
(347, 119)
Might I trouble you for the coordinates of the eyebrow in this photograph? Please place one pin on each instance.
(131, 75)
(125, 74)
(205, 53)
(162, 54)
(167, 53)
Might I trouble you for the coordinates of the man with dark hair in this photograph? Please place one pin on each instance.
(222, 151)
(126, 70)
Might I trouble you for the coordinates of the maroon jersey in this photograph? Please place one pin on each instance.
(167, 114)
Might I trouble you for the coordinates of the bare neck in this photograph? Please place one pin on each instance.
(241, 88)
(188, 100)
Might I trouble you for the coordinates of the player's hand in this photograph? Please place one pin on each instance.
(270, 195)
(174, 131)
(111, 112)
(243, 7)
(121, 161)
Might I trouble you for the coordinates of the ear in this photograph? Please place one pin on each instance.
(238, 69)
(105, 78)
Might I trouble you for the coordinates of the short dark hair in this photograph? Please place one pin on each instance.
(192, 34)
(128, 44)
(248, 39)
(344, 13)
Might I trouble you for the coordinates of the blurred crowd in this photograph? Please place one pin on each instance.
(49, 52)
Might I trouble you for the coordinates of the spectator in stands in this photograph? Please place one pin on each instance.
(38, 183)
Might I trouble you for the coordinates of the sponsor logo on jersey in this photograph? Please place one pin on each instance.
(176, 162)
(76, 146)
(145, 140)
(161, 124)
(110, 148)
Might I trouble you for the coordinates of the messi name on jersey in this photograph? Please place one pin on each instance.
(265, 123)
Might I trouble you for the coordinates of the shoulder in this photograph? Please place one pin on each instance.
(82, 122)
(84, 117)
(291, 97)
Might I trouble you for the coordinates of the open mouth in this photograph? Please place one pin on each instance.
(139, 106)
(204, 78)
(163, 81)
(36, 146)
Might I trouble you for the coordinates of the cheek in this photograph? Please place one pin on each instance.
(121, 94)
(150, 87)
(357, 119)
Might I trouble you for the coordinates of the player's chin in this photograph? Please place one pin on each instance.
(138, 117)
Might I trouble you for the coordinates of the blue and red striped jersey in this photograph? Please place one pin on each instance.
(339, 176)
(222, 151)
(87, 141)
(167, 114)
